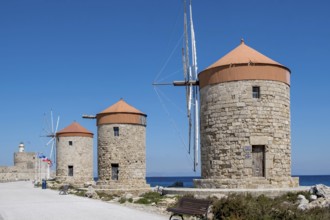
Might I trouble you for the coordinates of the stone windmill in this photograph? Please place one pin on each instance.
(245, 122)
(74, 158)
(121, 138)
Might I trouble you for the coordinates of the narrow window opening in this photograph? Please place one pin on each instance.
(116, 131)
(70, 143)
(256, 92)
(114, 171)
(70, 170)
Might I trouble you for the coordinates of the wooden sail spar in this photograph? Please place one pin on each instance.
(190, 82)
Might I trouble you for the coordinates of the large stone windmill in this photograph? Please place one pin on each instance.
(245, 122)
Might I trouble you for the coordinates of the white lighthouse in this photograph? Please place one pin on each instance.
(21, 147)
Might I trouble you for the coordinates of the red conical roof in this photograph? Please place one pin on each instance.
(243, 63)
(121, 113)
(244, 54)
(121, 107)
(74, 128)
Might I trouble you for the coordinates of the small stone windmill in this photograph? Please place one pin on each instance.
(121, 147)
(74, 158)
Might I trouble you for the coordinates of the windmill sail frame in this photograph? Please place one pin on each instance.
(190, 70)
(51, 134)
(190, 82)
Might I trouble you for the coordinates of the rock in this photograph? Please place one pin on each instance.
(91, 193)
(303, 202)
(128, 196)
(50, 184)
(313, 197)
(116, 199)
(171, 196)
(88, 184)
(210, 215)
(321, 190)
(166, 202)
(303, 207)
(320, 202)
(219, 196)
(72, 191)
(206, 196)
(158, 189)
(301, 197)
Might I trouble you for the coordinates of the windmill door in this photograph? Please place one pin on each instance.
(114, 171)
(258, 158)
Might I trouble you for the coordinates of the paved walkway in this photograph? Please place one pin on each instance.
(21, 201)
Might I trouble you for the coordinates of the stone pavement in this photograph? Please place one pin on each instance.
(21, 201)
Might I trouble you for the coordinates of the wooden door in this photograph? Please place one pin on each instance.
(258, 157)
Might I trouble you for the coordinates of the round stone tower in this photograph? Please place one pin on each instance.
(121, 147)
(245, 122)
(24, 160)
(74, 155)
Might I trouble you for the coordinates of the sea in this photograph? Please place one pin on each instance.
(187, 181)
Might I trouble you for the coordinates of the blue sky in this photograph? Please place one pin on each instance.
(79, 57)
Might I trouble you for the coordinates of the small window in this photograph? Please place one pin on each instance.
(70, 143)
(70, 170)
(116, 131)
(256, 92)
(114, 171)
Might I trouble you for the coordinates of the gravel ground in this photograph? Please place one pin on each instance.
(21, 201)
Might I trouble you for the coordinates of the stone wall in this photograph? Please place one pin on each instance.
(232, 122)
(26, 167)
(25, 160)
(79, 155)
(128, 151)
(13, 173)
(221, 193)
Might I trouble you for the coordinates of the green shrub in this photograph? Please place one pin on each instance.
(239, 207)
(105, 196)
(315, 214)
(122, 200)
(149, 197)
(80, 193)
(143, 201)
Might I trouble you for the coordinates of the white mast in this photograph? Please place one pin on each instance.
(187, 73)
(191, 82)
(195, 89)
